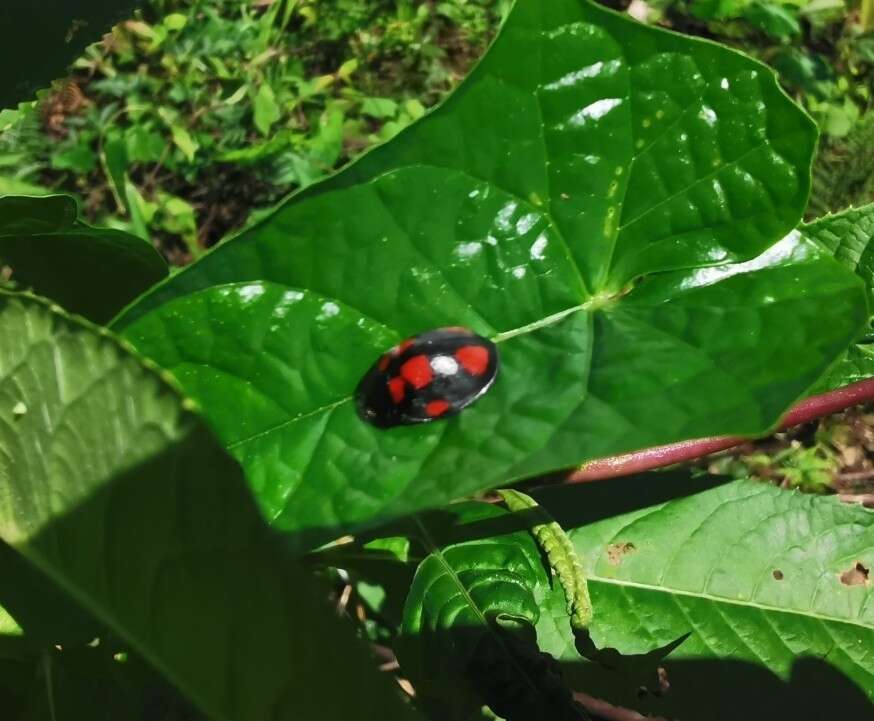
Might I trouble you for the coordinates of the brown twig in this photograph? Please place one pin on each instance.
(855, 476)
(608, 711)
(650, 458)
(152, 177)
(865, 499)
(343, 601)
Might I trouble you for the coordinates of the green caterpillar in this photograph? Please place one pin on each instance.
(563, 559)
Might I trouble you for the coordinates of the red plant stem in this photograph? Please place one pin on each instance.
(608, 711)
(659, 456)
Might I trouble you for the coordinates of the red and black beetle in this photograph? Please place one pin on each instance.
(427, 377)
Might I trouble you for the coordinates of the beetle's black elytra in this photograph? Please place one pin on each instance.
(428, 377)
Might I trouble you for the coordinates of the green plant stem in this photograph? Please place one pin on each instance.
(648, 459)
(866, 15)
(50, 690)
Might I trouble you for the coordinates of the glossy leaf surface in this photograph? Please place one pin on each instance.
(119, 494)
(584, 152)
(849, 235)
(90, 271)
(756, 573)
(39, 39)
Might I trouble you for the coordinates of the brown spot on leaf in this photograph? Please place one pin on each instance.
(616, 551)
(855, 576)
(778, 574)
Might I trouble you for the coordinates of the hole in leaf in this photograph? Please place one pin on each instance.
(617, 551)
(855, 576)
(778, 574)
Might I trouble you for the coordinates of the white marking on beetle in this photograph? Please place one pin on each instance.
(444, 365)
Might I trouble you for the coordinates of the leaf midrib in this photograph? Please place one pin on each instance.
(701, 595)
(437, 553)
(497, 338)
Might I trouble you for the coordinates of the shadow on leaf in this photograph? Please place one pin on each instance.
(727, 690)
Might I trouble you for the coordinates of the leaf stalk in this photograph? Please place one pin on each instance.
(649, 459)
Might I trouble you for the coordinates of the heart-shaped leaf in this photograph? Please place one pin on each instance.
(91, 271)
(759, 576)
(584, 153)
(111, 487)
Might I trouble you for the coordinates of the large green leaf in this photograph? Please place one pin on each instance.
(99, 681)
(468, 626)
(765, 579)
(39, 39)
(849, 235)
(117, 492)
(584, 152)
(91, 271)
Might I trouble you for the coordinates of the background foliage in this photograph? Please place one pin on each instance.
(182, 123)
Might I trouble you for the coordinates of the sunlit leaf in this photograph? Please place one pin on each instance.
(568, 201)
(115, 490)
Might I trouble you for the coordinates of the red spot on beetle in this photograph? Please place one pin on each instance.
(428, 377)
(436, 408)
(397, 388)
(417, 371)
(474, 359)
